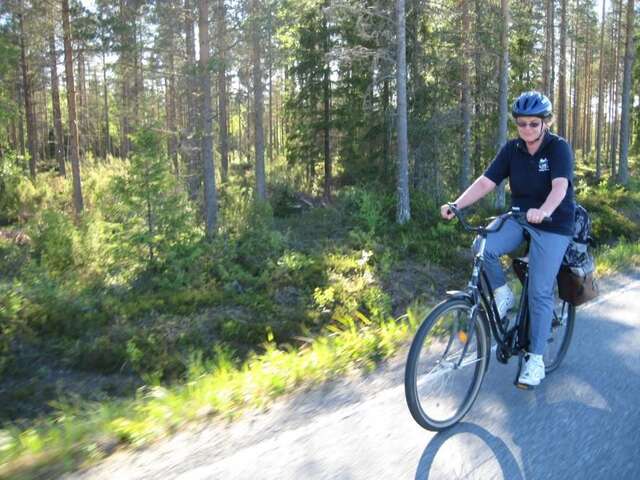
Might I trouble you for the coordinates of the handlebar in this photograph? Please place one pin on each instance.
(513, 213)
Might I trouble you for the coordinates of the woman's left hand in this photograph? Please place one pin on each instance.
(535, 215)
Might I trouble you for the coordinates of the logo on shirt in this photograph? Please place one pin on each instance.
(543, 165)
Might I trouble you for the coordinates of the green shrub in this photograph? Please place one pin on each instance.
(295, 269)
(54, 237)
(104, 353)
(371, 209)
(256, 240)
(11, 302)
(13, 258)
(52, 308)
(19, 197)
(283, 200)
(10, 178)
(612, 209)
(149, 205)
(377, 303)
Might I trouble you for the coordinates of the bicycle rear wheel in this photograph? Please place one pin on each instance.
(564, 315)
(446, 364)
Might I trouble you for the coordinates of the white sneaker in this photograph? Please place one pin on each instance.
(532, 371)
(504, 299)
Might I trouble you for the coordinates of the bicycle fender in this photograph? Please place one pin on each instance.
(460, 294)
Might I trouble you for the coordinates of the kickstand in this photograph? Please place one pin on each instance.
(521, 386)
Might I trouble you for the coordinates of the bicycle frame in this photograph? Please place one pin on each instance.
(435, 393)
(480, 294)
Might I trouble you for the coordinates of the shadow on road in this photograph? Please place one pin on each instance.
(492, 448)
(580, 423)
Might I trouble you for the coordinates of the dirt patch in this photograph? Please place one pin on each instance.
(15, 236)
(38, 382)
(410, 281)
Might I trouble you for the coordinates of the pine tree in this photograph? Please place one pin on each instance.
(258, 99)
(55, 102)
(403, 210)
(629, 57)
(32, 131)
(503, 92)
(206, 124)
(74, 153)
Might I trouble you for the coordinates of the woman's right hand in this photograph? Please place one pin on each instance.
(446, 212)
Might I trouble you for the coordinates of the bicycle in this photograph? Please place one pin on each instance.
(453, 342)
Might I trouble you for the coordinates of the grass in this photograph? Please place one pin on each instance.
(621, 257)
(323, 258)
(82, 434)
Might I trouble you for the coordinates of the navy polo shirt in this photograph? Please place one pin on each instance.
(530, 178)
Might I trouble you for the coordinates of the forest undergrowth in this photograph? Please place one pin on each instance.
(121, 325)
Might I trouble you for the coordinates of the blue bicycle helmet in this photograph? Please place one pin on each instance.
(532, 104)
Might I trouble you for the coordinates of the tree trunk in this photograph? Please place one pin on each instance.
(81, 99)
(96, 124)
(32, 132)
(610, 80)
(616, 95)
(192, 152)
(13, 134)
(547, 87)
(249, 138)
(326, 102)
(608, 122)
(136, 69)
(478, 88)
(170, 104)
(276, 116)
(503, 92)
(125, 77)
(586, 102)
(386, 93)
(403, 212)
(210, 196)
(562, 92)
(465, 173)
(222, 92)
(552, 46)
(575, 109)
(46, 141)
(261, 190)
(20, 120)
(71, 105)
(55, 102)
(284, 124)
(629, 57)
(105, 94)
(270, 69)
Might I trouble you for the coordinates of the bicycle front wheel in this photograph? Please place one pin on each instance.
(446, 364)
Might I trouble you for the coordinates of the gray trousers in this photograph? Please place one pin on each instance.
(545, 257)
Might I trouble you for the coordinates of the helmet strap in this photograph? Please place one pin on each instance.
(542, 130)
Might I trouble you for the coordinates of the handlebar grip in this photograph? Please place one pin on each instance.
(453, 208)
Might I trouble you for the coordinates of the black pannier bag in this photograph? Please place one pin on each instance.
(576, 279)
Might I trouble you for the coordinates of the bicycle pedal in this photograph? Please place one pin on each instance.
(523, 386)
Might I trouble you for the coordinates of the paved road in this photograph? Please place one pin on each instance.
(583, 422)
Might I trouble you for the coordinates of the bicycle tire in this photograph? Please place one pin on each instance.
(563, 322)
(479, 333)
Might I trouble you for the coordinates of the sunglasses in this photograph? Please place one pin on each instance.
(531, 124)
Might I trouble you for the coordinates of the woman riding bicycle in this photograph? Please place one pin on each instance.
(539, 166)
